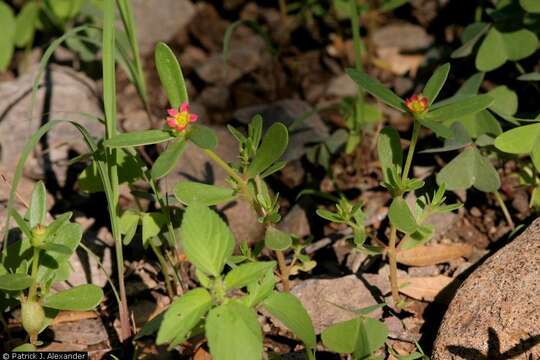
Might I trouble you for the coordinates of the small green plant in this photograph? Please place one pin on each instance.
(31, 265)
(219, 308)
(508, 36)
(395, 168)
(361, 336)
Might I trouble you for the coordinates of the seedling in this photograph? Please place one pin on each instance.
(31, 265)
(225, 307)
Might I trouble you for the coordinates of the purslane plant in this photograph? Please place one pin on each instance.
(36, 261)
(411, 224)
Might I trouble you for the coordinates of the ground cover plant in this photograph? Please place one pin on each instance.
(403, 179)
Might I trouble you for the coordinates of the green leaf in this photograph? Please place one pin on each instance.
(151, 225)
(233, 333)
(261, 290)
(64, 9)
(276, 239)
(203, 136)
(25, 24)
(79, 298)
(460, 139)
(520, 44)
(532, 6)
(60, 221)
(468, 169)
(62, 249)
(498, 47)
(481, 123)
(342, 337)
(130, 168)
(505, 101)
(436, 82)
(170, 75)
(401, 216)
(460, 108)
(519, 140)
(471, 86)
(278, 165)
(68, 234)
(138, 138)
(470, 37)
(491, 53)
(21, 223)
(417, 238)
(372, 338)
(377, 89)
(532, 76)
(7, 19)
(247, 273)
(289, 310)
(38, 205)
(15, 282)
(273, 146)
(255, 129)
(389, 151)
(190, 192)
(439, 129)
(128, 219)
(207, 240)
(24, 348)
(182, 316)
(167, 160)
(330, 216)
(535, 154)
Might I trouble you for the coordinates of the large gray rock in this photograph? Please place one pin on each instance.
(160, 20)
(496, 312)
(64, 94)
(195, 166)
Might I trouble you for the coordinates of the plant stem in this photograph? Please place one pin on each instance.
(109, 100)
(392, 261)
(283, 8)
(109, 280)
(412, 146)
(504, 209)
(283, 270)
(359, 102)
(35, 267)
(164, 268)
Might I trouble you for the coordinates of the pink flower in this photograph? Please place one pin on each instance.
(180, 119)
(417, 103)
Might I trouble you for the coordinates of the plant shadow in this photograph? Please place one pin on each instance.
(494, 349)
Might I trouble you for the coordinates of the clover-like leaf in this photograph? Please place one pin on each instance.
(468, 169)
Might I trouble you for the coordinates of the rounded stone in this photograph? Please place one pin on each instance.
(496, 312)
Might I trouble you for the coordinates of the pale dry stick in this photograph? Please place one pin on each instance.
(504, 209)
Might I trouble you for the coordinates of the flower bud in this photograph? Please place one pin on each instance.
(38, 235)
